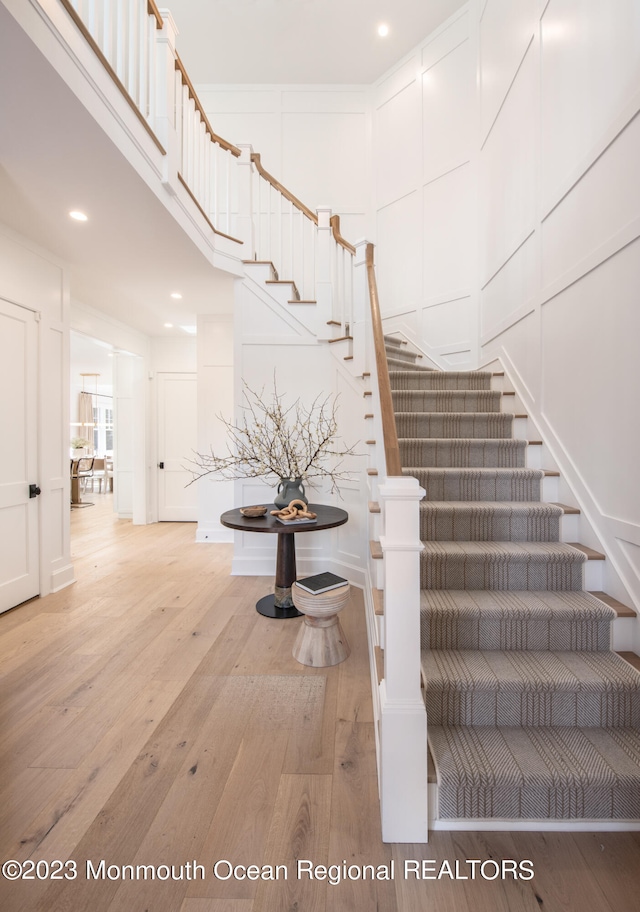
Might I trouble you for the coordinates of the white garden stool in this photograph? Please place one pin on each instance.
(321, 640)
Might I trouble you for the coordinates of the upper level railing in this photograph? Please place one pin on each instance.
(123, 34)
(132, 38)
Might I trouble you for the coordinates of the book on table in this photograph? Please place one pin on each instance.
(295, 522)
(321, 582)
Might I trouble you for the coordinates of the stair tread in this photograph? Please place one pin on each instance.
(621, 609)
(375, 549)
(374, 506)
(477, 471)
(545, 670)
(378, 601)
(591, 553)
(494, 506)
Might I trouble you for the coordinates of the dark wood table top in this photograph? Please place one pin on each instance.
(328, 518)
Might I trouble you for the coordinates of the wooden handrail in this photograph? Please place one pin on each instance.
(255, 158)
(204, 214)
(153, 10)
(390, 435)
(334, 221)
(192, 94)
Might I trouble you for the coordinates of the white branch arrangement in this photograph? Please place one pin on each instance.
(278, 441)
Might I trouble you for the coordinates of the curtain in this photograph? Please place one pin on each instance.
(85, 413)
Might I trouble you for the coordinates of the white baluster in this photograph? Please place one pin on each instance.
(107, 30)
(228, 156)
(119, 40)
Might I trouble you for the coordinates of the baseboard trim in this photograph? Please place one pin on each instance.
(62, 578)
(214, 536)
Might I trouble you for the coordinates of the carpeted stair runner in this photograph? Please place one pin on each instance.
(531, 715)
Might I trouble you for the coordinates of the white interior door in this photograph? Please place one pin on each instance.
(19, 537)
(177, 441)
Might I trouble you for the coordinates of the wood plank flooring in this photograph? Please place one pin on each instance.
(150, 717)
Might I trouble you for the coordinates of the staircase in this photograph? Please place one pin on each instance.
(530, 713)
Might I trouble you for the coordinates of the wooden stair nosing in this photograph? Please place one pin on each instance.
(378, 602)
(566, 509)
(370, 442)
(262, 263)
(348, 358)
(334, 323)
(379, 657)
(302, 301)
(372, 472)
(631, 658)
(340, 339)
(369, 415)
(620, 608)
(375, 548)
(366, 374)
(374, 506)
(590, 552)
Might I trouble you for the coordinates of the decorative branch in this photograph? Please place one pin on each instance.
(277, 441)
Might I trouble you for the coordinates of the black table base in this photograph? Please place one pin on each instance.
(266, 606)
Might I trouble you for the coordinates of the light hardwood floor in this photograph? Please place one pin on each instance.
(151, 717)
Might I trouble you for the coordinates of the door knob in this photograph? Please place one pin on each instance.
(34, 490)
(161, 465)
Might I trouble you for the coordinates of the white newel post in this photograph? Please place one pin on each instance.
(403, 720)
(360, 307)
(324, 274)
(165, 101)
(244, 230)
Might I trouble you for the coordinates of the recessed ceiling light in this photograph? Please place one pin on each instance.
(176, 295)
(79, 216)
(383, 29)
(168, 325)
(192, 330)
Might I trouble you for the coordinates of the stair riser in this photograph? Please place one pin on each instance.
(559, 708)
(399, 354)
(522, 486)
(453, 572)
(510, 802)
(437, 380)
(487, 527)
(462, 453)
(453, 425)
(446, 401)
(505, 634)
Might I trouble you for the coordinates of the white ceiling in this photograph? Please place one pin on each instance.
(300, 41)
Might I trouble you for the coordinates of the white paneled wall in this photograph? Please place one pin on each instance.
(314, 139)
(505, 152)
(424, 128)
(559, 228)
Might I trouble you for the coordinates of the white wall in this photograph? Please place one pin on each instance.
(215, 398)
(269, 337)
(35, 279)
(560, 241)
(313, 139)
(424, 170)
